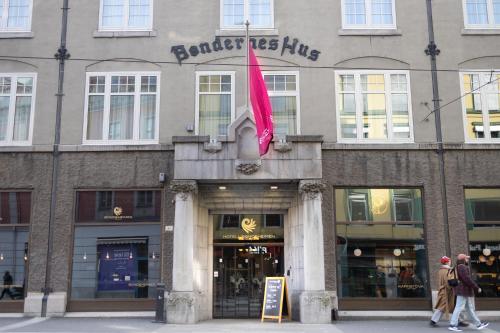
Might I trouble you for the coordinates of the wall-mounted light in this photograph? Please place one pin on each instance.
(274, 188)
(1, 256)
(153, 256)
(397, 252)
(487, 252)
(85, 256)
(25, 257)
(358, 252)
(222, 188)
(107, 255)
(130, 256)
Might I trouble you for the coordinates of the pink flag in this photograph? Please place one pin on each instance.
(261, 105)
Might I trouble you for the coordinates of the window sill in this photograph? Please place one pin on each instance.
(370, 32)
(242, 32)
(124, 34)
(16, 34)
(478, 32)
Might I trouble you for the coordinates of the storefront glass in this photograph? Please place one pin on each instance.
(483, 224)
(117, 254)
(380, 243)
(15, 215)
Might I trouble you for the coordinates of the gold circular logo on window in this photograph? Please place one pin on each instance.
(380, 206)
(118, 211)
(248, 225)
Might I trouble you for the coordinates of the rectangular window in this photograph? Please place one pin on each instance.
(283, 89)
(481, 106)
(122, 108)
(374, 107)
(234, 14)
(17, 92)
(381, 252)
(126, 15)
(369, 14)
(482, 14)
(15, 15)
(482, 207)
(214, 102)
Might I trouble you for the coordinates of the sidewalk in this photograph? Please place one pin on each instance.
(140, 325)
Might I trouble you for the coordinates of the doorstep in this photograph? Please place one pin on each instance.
(125, 314)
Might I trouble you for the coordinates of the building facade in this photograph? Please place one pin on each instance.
(131, 159)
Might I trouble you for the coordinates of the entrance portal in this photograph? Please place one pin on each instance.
(247, 249)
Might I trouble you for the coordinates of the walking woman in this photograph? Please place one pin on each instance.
(446, 299)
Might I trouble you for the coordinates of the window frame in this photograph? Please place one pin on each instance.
(368, 18)
(197, 97)
(490, 13)
(12, 109)
(4, 18)
(246, 15)
(105, 141)
(358, 95)
(126, 15)
(295, 94)
(484, 106)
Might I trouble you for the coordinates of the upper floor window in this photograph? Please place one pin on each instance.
(214, 102)
(481, 106)
(126, 15)
(122, 108)
(17, 93)
(373, 106)
(482, 13)
(369, 14)
(15, 15)
(283, 89)
(234, 14)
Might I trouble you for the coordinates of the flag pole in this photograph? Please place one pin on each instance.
(247, 24)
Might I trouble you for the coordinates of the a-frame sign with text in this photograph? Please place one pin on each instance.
(276, 299)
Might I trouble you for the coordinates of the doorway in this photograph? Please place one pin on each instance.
(240, 271)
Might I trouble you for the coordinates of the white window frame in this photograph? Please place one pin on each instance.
(12, 110)
(295, 93)
(126, 12)
(246, 14)
(484, 106)
(4, 18)
(368, 15)
(358, 95)
(197, 97)
(137, 109)
(491, 17)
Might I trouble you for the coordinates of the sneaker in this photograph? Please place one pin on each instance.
(454, 328)
(433, 323)
(482, 325)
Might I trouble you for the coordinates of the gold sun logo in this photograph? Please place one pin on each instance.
(118, 211)
(248, 225)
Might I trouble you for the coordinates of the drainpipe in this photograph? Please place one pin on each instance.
(433, 52)
(62, 55)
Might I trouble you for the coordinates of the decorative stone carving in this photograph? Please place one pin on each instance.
(282, 146)
(311, 189)
(248, 167)
(178, 300)
(184, 188)
(213, 147)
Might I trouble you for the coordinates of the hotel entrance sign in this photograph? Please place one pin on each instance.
(275, 294)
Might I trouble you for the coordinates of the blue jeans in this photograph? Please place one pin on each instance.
(468, 304)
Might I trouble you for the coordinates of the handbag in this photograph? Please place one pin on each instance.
(453, 282)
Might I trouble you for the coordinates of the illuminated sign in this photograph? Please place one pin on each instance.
(118, 211)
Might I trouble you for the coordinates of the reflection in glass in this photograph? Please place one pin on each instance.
(13, 262)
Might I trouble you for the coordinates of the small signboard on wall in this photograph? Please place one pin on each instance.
(276, 299)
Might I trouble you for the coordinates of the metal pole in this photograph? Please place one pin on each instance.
(247, 24)
(433, 52)
(62, 55)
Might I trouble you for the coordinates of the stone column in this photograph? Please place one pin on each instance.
(182, 304)
(315, 302)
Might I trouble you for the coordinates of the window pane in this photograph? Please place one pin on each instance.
(355, 12)
(97, 84)
(496, 11)
(215, 114)
(374, 116)
(24, 85)
(14, 254)
(22, 119)
(284, 114)
(493, 107)
(260, 13)
(400, 117)
(139, 16)
(121, 118)
(477, 11)
(148, 116)
(148, 84)
(234, 12)
(18, 14)
(473, 109)
(4, 116)
(482, 205)
(112, 13)
(347, 109)
(95, 118)
(5, 83)
(382, 12)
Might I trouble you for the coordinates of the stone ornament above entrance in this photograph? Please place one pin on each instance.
(311, 189)
(183, 188)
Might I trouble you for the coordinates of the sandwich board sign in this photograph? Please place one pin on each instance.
(276, 299)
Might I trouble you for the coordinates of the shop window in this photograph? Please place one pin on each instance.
(273, 221)
(15, 218)
(234, 14)
(381, 251)
(483, 221)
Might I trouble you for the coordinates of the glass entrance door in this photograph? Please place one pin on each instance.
(239, 278)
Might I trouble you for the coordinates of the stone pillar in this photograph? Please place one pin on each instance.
(315, 302)
(182, 303)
